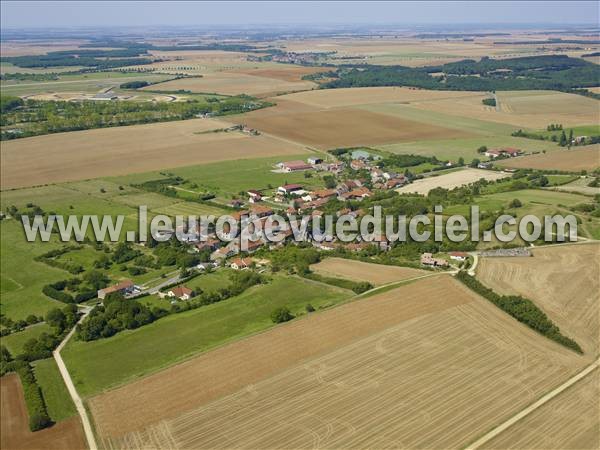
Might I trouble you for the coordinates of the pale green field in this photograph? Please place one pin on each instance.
(228, 178)
(85, 83)
(466, 148)
(405, 111)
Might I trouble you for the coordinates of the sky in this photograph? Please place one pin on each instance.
(57, 14)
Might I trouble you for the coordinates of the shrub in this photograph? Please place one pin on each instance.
(281, 315)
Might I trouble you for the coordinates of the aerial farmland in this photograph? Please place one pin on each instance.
(433, 189)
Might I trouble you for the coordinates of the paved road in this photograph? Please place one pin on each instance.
(87, 426)
(549, 396)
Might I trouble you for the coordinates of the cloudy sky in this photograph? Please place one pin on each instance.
(56, 14)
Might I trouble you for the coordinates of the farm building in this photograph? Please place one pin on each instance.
(290, 189)
(254, 196)
(458, 256)
(181, 292)
(358, 164)
(356, 194)
(427, 259)
(241, 263)
(508, 151)
(315, 160)
(125, 287)
(294, 166)
(261, 211)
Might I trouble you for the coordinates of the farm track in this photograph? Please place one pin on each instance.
(530, 409)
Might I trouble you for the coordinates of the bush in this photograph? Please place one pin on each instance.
(57, 295)
(281, 315)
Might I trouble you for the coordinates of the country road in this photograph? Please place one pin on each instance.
(87, 426)
(531, 408)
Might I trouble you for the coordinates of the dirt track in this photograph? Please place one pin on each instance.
(66, 435)
(566, 417)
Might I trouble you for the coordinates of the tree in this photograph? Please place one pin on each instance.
(310, 308)
(281, 315)
(475, 162)
(39, 421)
(563, 139)
(56, 318)
(5, 356)
(461, 161)
(329, 181)
(96, 279)
(482, 149)
(516, 203)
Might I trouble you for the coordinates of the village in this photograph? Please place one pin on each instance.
(352, 180)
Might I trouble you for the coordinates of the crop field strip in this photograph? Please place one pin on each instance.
(230, 369)
(347, 127)
(376, 274)
(124, 150)
(233, 84)
(375, 391)
(450, 180)
(498, 337)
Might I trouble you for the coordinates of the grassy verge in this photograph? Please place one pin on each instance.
(57, 398)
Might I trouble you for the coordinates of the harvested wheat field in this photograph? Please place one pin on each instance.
(233, 84)
(574, 160)
(568, 421)
(337, 98)
(523, 109)
(87, 154)
(359, 375)
(562, 280)
(449, 180)
(15, 424)
(376, 274)
(283, 72)
(346, 128)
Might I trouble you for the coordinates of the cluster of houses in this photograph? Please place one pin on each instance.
(507, 152)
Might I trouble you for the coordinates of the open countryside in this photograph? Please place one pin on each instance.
(188, 339)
